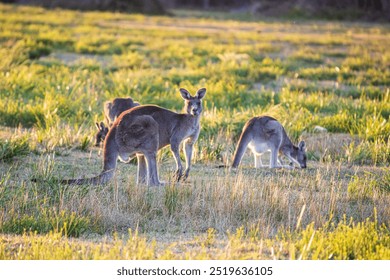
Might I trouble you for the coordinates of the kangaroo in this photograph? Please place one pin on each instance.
(143, 130)
(101, 134)
(125, 139)
(264, 134)
(112, 109)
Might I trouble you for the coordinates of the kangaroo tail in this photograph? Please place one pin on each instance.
(109, 164)
(110, 154)
(100, 179)
(243, 142)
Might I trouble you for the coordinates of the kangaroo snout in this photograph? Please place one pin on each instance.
(195, 112)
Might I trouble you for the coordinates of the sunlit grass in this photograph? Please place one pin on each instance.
(58, 67)
(13, 147)
(346, 241)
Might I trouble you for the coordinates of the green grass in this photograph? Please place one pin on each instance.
(13, 147)
(346, 241)
(58, 67)
(67, 223)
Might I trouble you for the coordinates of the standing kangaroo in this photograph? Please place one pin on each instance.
(112, 110)
(264, 134)
(142, 131)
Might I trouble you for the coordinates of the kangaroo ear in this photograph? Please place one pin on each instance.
(102, 125)
(302, 145)
(200, 93)
(185, 94)
(97, 126)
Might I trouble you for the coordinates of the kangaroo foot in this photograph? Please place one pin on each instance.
(178, 175)
(157, 184)
(186, 173)
(276, 167)
(289, 166)
(162, 183)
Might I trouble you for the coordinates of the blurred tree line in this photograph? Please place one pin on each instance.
(136, 6)
(371, 8)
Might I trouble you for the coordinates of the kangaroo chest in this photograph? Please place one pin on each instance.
(189, 131)
(177, 131)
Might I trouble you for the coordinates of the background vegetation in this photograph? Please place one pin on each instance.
(58, 67)
(374, 10)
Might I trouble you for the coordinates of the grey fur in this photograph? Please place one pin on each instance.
(101, 134)
(112, 110)
(143, 130)
(262, 134)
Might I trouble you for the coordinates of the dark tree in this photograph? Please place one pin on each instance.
(138, 6)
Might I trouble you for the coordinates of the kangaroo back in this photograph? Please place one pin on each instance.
(137, 134)
(245, 137)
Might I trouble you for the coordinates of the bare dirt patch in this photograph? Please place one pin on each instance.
(75, 59)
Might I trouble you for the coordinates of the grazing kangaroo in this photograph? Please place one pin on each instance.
(264, 134)
(142, 131)
(112, 109)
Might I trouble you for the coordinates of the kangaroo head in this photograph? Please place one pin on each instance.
(101, 134)
(193, 104)
(301, 154)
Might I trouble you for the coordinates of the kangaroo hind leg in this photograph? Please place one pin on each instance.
(142, 171)
(258, 161)
(151, 162)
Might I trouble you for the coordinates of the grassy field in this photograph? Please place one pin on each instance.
(58, 67)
